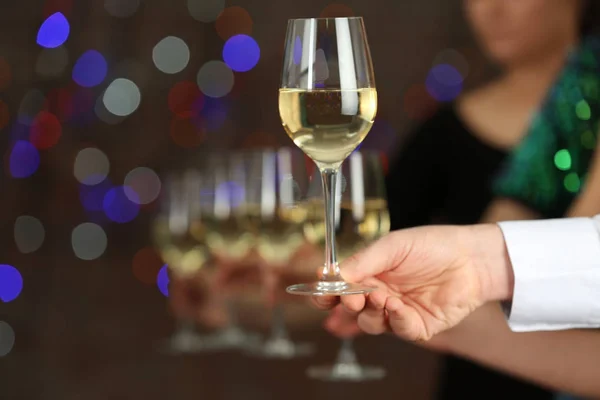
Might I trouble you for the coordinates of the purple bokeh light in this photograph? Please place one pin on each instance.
(92, 196)
(162, 280)
(241, 53)
(118, 206)
(444, 83)
(297, 50)
(11, 283)
(90, 69)
(24, 159)
(54, 31)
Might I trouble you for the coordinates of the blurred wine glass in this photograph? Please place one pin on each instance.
(174, 237)
(361, 217)
(279, 185)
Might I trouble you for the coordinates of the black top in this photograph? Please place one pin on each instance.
(443, 175)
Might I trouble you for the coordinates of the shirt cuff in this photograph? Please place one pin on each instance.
(556, 266)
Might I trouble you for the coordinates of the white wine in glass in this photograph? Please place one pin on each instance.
(327, 104)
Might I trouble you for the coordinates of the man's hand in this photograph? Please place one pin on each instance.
(428, 279)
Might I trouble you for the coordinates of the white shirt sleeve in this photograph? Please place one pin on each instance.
(556, 266)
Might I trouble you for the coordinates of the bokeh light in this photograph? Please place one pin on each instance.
(92, 196)
(121, 8)
(29, 234)
(118, 207)
(205, 10)
(103, 114)
(24, 159)
(90, 69)
(4, 115)
(215, 79)
(454, 58)
(7, 339)
(11, 283)
(336, 10)
(146, 265)
(51, 63)
(60, 103)
(162, 280)
(572, 182)
(185, 132)
(45, 131)
(232, 21)
(241, 53)
(54, 31)
(89, 241)
(91, 166)
(31, 105)
(171, 55)
(185, 99)
(213, 115)
(5, 74)
(142, 185)
(418, 103)
(562, 160)
(82, 106)
(444, 82)
(583, 110)
(122, 97)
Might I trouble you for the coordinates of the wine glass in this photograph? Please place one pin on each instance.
(362, 217)
(280, 179)
(327, 104)
(172, 229)
(227, 234)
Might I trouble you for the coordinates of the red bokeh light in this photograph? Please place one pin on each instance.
(185, 99)
(233, 21)
(45, 130)
(185, 132)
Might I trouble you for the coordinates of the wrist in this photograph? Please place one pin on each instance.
(492, 263)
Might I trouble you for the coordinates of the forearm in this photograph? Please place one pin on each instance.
(561, 360)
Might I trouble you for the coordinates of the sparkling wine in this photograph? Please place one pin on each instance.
(281, 236)
(327, 124)
(179, 248)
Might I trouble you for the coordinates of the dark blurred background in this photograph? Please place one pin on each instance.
(110, 93)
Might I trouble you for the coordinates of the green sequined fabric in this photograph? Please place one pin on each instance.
(548, 168)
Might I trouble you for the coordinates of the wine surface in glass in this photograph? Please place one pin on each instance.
(327, 124)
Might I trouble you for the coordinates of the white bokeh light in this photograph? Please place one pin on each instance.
(215, 79)
(51, 63)
(121, 8)
(145, 184)
(89, 241)
(205, 10)
(29, 234)
(7, 338)
(171, 55)
(91, 166)
(103, 114)
(122, 97)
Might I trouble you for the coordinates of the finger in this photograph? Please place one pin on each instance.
(354, 303)
(341, 324)
(373, 319)
(325, 302)
(379, 257)
(404, 321)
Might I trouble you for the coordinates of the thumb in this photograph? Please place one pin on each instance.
(381, 256)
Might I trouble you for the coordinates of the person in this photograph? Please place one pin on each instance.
(490, 155)
(428, 279)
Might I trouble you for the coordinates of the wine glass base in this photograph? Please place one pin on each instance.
(191, 343)
(328, 289)
(282, 348)
(346, 373)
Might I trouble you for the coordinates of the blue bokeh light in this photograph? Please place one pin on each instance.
(118, 206)
(241, 53)
(213, 114)
(20, 131)
(444, 82)
(162, 280)
(92, 196)
(54, 31)
(235, 192)
(11, 283)
(297, 50)
(24, 159)
(90, 69)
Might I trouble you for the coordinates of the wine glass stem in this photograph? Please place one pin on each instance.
(278, 329)
(331, 270)
(346, 355)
